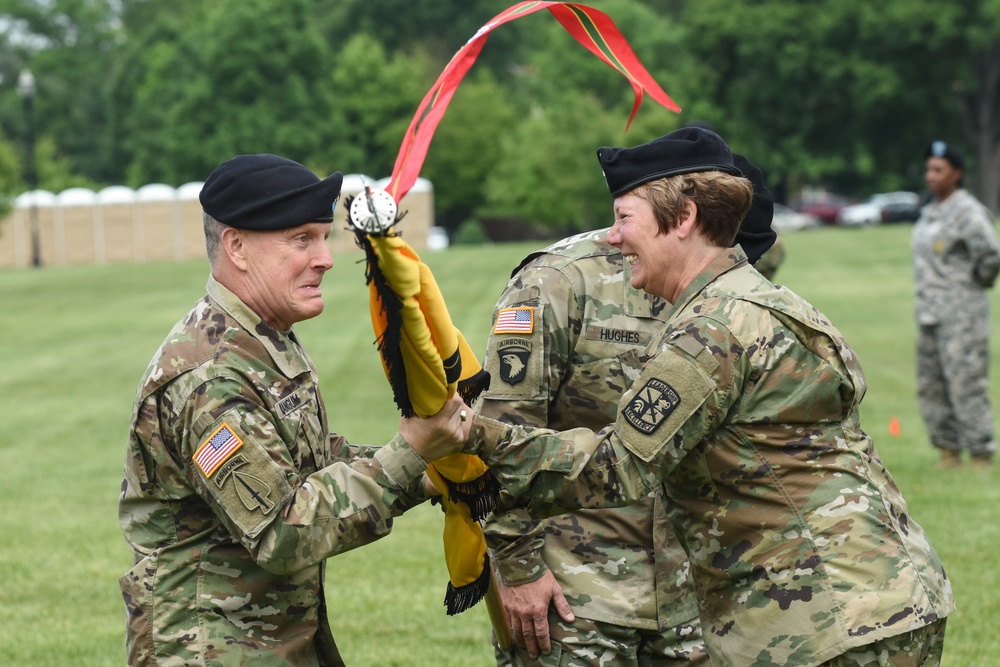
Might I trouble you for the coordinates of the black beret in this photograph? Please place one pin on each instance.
(683, 151)
(266, 192)
(755, 235)
(947, 151)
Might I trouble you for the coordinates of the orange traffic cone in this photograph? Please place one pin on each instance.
(894, 426)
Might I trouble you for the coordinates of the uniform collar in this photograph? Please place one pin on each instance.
(636, 302)
(282, 346)
(725, 262)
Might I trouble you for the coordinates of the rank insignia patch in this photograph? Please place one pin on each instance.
(651, 406)
(515, 320)
(216, 449)
(513, 357)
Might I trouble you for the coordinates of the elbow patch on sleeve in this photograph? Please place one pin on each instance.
(240, 475)
(671, 389)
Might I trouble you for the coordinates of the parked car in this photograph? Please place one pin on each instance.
(870, 211)
(824, 205)
(788, 219)
(900, 212)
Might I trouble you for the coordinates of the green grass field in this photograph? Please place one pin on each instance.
(75, 341)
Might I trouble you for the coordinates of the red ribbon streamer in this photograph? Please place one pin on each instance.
(591, 27)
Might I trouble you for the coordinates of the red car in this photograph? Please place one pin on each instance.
(823, 205)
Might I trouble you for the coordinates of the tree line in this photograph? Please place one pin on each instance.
(838, 94)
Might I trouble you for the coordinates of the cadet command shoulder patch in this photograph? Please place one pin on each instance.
(651, 406)
(515, 320)
(216, 449)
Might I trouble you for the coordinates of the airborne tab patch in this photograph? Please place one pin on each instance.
(515, 320)
(216, 449)
(651, 406)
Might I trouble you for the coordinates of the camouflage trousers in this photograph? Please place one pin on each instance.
(587, 643)
(919, 648)
(952, 385)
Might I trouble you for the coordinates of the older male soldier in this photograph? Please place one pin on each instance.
(235, 491)
(747, 417)
(567, 342)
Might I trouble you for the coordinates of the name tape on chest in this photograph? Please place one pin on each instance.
(623, 336)
(289, 404)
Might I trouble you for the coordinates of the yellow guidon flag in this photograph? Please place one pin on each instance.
(425, 357)
(427, 360)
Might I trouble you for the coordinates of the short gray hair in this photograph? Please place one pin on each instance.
(213, 237)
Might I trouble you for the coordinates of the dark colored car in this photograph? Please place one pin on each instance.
(900, 212)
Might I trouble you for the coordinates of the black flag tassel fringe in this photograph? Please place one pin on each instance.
(457, 600)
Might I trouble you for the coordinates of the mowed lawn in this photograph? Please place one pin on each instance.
(74, 343)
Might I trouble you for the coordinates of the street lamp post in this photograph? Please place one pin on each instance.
(26, 89)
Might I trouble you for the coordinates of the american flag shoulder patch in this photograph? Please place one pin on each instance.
(219, 446)
(515, 320)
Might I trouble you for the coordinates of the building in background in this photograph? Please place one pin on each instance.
(156, 223)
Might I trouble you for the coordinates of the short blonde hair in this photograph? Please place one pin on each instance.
(723, 201)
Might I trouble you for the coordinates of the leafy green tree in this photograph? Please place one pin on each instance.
(847, 94)
(68, 45)
(146, 25)
(970, 37)
(467, 145)
(10, 175)
(548, 172)
(573, 103)
(844, 94)
(373, 96)
(436, 27)
(242, 78)
(55, 170)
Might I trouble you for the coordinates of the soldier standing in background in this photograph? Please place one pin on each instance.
(955, 259)
(235, 491)
(567, 342)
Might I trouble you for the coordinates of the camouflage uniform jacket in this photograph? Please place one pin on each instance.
(624, 565)
(955, 256)
(748, 414)
(235, 492)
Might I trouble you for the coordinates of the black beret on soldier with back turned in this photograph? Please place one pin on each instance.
(683, 151)
(266, 192)
(755, 235)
